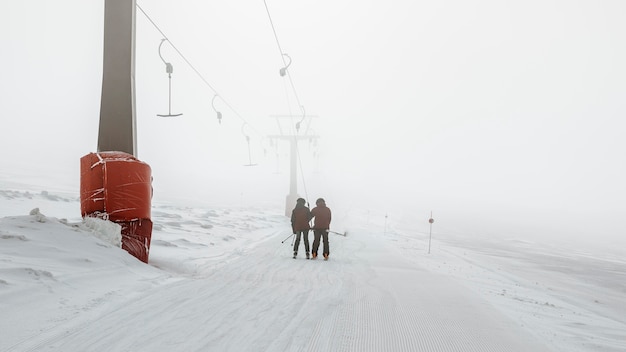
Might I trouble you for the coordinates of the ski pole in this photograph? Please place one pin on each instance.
(339, 233)
(283, 241)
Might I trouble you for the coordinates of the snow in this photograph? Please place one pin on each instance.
(220, 279)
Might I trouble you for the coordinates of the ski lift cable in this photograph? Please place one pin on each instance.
(176, 49)
(285, 63)
(284, 71)
(194, 68)
(282, 54)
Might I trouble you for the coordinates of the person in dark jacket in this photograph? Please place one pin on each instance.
(300, 217)
(321, 225)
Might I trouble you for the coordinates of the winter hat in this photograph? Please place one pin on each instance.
(320, 201)
(301, 201)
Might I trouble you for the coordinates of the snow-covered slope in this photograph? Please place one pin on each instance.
(223, 280)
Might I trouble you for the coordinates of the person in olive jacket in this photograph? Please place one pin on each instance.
(300, 217)
(321, 225)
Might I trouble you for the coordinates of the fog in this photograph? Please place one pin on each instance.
(503, 118)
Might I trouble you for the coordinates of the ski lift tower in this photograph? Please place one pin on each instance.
(293, 139)
(114, 184)
(118, 130)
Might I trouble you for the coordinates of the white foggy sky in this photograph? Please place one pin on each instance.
(494, 114)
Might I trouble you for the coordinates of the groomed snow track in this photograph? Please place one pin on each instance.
(367, 297)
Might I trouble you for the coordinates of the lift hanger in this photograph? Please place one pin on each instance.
(169, 69)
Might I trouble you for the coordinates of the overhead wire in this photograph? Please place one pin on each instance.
(293, 87)
(282, 53)
(194, 69)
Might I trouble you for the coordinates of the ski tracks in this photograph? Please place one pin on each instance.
(387, 304)
(365, 298)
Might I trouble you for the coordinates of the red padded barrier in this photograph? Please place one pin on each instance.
(118, 187)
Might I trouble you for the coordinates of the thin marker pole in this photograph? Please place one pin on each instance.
(430, 235)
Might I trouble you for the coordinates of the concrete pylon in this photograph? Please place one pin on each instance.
(118, 127)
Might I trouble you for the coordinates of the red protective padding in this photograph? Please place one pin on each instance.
(118, 187)
(136, 235)
(116, 184)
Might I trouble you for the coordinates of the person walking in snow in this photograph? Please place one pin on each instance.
(300, 217)
(321, 225)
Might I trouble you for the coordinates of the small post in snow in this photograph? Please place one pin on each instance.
(430, 236)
